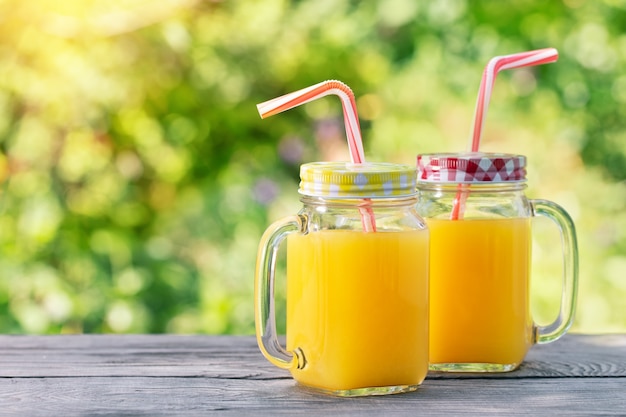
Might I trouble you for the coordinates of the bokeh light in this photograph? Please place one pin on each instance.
(136, 176)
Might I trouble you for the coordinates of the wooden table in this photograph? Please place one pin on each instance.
(169, 375)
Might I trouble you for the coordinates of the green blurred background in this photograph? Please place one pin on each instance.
(136, 176)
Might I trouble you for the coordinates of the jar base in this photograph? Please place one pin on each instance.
(473, 367)
(362, 392)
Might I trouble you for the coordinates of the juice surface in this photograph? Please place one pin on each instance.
(357, 306)
(479, 289)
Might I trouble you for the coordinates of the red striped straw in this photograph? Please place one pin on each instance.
(325, 88)
(350, 117)
(494, 66)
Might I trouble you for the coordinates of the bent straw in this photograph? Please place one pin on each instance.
(350, 117)
(325, 88)
(494, 66)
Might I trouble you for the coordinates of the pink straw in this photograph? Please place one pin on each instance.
(325, 88)
(495, 65)
(350, 117)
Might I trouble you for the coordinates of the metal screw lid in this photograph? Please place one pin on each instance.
(349, 180)
(471, 167)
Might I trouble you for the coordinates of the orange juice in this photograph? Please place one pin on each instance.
(479, 289)
(357, 306)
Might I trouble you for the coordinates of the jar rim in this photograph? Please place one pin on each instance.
(478, 187)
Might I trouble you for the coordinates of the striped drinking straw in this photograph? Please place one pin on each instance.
(494, 66)
(350, 117)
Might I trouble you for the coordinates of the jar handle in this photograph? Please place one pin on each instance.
(569, 292)
(264, 306)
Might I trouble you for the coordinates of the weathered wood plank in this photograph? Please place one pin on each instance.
(101, 396)
(134, 355)
(105, 375)
(239, 357)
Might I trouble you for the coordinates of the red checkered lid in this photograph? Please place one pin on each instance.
(471, 167)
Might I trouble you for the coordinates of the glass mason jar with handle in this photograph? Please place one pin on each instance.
(480, 228)
(357, 282)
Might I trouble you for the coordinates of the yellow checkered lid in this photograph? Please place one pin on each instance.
(349, 180)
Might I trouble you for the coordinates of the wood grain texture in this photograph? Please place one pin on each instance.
(239, 356)
(207, 396)
(134, 355)
(154, 375)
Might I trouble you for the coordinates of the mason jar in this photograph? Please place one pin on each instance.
(480, 223)
(357, 282)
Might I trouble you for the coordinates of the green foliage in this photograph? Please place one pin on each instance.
(137, 176)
